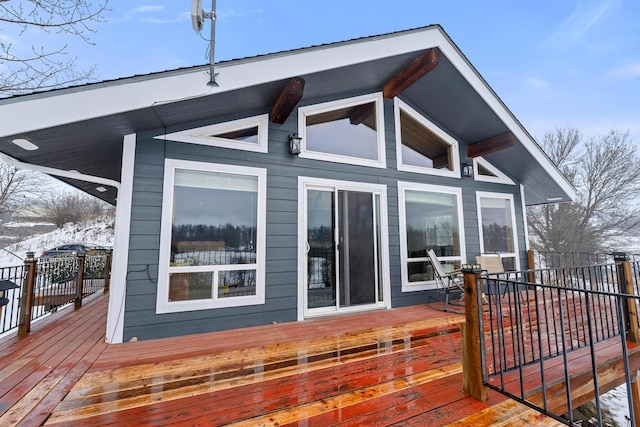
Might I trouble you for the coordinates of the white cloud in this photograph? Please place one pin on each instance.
(629, 70)
(147, 8)
(536, 83)
(585, 15)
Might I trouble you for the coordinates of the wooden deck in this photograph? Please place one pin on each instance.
(392, 367)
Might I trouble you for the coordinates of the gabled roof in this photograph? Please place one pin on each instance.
(81, 128)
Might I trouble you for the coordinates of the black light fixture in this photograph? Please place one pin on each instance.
(467, 169)
(6, 285)
(294, 143)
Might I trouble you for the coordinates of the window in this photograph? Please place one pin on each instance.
(249, 134)
(485, 171)
(497, 227)
(213, 238)
(430, 218)
(421, 146)
(345, 131)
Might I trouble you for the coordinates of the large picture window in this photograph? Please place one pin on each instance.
(430, 218)
(497, 227)
(212, 243)
(421, 146)
(344, 131)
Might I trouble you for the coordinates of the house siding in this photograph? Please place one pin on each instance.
(141, 320)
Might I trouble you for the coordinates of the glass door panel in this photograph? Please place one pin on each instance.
(356, 249)
(321, 265)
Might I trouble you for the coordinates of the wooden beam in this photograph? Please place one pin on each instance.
(287, 100)
(414, 72)
(491, 145)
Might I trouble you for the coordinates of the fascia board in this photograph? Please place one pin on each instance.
(41, 111)
(460, 62)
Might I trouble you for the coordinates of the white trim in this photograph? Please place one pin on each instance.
(120, 262)
(305, 183)
(162, 298)
(324, 107)
(514, 226)
(399, 105)
(430, 188)
(39, 111)
(201, 135)
(524, 217)
(499, 178)
(59, 172)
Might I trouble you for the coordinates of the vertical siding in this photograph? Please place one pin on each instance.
(142, 322)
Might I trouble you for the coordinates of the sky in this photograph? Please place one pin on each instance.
(554, 63)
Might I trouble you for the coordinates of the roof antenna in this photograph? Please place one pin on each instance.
(198, 15)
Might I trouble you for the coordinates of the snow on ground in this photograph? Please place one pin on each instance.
(98, 231)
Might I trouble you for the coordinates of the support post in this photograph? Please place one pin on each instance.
(107, 271)
(635, 396)
(471, 330)
(625, 280)
(27, 294)
(79, 280)
(531, 263)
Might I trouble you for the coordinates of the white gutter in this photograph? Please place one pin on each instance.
(58, 172)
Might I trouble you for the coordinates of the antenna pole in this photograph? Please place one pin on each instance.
(212, 77)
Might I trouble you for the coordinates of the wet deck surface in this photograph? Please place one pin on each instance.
(392, 367)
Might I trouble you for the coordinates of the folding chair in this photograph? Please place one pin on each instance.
(446, 281)
(492, 264)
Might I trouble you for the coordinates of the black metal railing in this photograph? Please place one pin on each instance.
(535, 319)
(9, 311)
(56, 282)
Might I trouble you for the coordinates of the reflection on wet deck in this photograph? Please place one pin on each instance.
(400, 366)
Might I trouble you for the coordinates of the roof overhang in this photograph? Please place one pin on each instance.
(82, 128)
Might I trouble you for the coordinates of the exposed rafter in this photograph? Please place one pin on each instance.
(287, 100)
(414, 72)
(491, 145)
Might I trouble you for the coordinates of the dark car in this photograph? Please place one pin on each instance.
(69, 249)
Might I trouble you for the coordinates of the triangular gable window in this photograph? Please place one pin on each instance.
(422, 147)
(485, 171)
(248, 134)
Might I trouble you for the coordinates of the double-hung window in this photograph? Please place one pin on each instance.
(212, 246)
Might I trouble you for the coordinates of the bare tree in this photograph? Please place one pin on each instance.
(604, 171)
(44, 67)
(61, 208)
(18, 188)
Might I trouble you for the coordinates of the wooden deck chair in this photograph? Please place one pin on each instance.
(446, 281)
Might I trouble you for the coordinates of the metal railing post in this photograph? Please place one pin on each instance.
(471, 331)
(79, 280)
(27, 294)
(107, 271)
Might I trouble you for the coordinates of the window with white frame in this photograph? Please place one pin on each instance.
(485, 171)
(421, 146)
(345, 131)
(213, 236)
(249, 134)
(497, 223)
(430, 218)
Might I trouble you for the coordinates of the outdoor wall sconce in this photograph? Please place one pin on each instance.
(294, 144)
(467, 169)
(6, 285)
